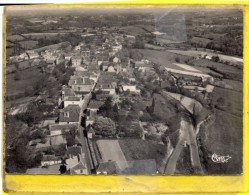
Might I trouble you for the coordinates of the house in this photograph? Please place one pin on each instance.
(90, 117)
(116, 48)
(81, 85)
(71, 100)
(116, 60)
(75, 162)
(131, 88)
(94, 105)
(32, 54)
(142, 66)
(111, 69)
(90, 132)
(76, 61)
(110, 88)
(70, 115)
(50, 160)
(59, 129)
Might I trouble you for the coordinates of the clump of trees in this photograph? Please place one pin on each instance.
(104, 126)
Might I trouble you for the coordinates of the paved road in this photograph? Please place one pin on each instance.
(188, 135)
(184, 136)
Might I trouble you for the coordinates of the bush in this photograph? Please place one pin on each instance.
(177, 59)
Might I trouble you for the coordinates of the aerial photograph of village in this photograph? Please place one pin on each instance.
(153, 91)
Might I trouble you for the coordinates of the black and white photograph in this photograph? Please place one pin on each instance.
(117, 91)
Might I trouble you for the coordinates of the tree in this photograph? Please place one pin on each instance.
(104, 126)
(177, 59)
(107, 108)
(216, 58)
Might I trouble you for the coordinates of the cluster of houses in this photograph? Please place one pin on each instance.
(96, 71)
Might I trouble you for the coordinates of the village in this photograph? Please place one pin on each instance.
(111, 96)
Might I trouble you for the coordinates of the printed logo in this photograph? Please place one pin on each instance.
(220, 159)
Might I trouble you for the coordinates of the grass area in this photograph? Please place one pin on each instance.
(137, 30)
(137, 149)
(223, 137)
(236, 85)
(27, 78)
(163, 57)
(163, 108)
(233, 100)
(53, 46)
(23, 100)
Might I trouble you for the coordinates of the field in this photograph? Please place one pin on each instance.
(42, 35)
(28, 44)
(194, 53)
(223, 137)
(110, 151)
(210, 64)
(137, 30)
(137, 149)
(233, 100)
(162, 57)
(27, 78)
(53, 47)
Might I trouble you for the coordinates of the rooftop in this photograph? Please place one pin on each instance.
(61, 127)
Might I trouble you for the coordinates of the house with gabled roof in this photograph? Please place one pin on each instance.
(70, 115)
(75, 162)
(81, 85)
(50, 160)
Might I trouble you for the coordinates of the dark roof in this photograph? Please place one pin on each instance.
(62, 127)
(108, 167)
(82, 73)
(73, 151)
(95, 104)
(50, 158)
(68, 92)
(74, 113)
(72, 98)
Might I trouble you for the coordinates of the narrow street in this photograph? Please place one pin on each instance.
(82, 138)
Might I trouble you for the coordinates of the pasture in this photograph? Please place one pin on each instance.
(223, 137)
(162, 57)
(27, 78)
(137, 149)
(233, 100)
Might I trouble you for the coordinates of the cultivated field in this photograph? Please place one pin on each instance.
(111, 151)
(187, 67)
